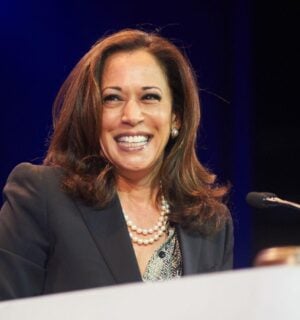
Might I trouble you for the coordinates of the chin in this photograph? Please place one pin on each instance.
(135, 170)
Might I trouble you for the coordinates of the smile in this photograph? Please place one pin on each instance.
(132, 142)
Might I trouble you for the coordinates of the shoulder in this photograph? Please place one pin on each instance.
(29, 173)
(28, 181)
(28, 190)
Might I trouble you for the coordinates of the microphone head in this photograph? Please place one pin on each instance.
(260, 199)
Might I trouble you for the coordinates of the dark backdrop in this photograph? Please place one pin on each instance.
(244, 53)
(276, 135)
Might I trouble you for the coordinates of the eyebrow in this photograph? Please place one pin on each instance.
(153, 87)
(144, 88)
(115, 88)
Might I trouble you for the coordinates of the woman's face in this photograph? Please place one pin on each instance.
(137, 113)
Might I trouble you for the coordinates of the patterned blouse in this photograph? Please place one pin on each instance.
(166, 261)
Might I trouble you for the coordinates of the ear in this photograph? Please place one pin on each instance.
(176, 121)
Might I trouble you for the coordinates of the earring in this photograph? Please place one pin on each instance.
(174, 132)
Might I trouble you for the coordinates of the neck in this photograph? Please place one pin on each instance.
(144, 183)
(143, 192)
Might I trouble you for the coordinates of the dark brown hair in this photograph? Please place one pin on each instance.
(195, 200)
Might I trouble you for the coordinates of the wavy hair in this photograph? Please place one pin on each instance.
(195, 199)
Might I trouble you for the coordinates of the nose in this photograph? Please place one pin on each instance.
(132, 113)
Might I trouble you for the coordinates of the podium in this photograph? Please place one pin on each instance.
(260, 293)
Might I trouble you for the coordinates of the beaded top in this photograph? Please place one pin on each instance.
(166, 261)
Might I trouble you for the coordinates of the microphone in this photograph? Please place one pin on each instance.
(265, 200)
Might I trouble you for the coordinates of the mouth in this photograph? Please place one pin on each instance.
(130, 142)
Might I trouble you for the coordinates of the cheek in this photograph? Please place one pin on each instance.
(109, 121)
(106, 128)
(164, 120)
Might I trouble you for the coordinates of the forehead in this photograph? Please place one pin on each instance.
(133, 64)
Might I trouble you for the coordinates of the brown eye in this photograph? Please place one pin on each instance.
(111, 97)
(151, 96)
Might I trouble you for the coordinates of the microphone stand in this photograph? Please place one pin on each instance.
(282, 202)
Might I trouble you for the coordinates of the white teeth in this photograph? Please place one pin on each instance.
(133, 139)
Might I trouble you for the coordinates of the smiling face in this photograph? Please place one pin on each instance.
(137, 113)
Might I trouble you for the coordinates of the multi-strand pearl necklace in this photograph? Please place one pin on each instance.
(155, 232)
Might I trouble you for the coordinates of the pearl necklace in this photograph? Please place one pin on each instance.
(156, 231)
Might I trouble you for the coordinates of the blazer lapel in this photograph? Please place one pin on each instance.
(109, 231)
(190, 251)
(198, 252)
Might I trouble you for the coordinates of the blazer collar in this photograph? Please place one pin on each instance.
(108, 228)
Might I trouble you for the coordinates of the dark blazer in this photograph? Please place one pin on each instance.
(50, 242)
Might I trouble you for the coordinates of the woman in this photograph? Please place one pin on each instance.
(121, 196)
